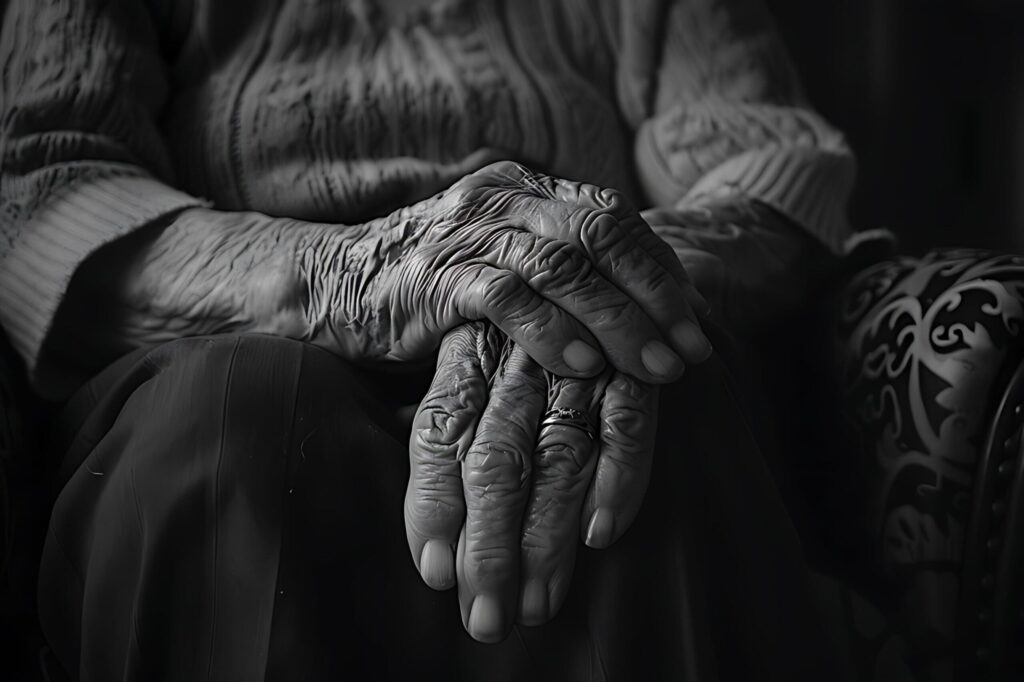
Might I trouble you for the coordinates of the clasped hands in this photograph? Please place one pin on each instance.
(545, 295)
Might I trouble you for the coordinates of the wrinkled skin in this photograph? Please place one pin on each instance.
(558, 266)
(569, 271)
(495, 503)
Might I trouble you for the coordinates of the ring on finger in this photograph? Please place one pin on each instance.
(572, 418)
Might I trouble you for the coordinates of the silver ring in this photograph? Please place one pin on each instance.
(566, 416)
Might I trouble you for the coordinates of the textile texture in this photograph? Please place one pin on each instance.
(233, 510)
(121, 114)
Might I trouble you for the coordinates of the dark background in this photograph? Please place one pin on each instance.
(931, 96)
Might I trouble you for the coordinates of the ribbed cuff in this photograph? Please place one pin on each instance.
(50, 245)
(808, 184)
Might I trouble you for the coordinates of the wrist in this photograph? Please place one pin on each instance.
(332, 276)
(211, 272)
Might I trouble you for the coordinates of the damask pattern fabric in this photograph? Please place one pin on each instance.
(927, 348)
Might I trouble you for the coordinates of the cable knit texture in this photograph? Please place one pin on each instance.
(117, 113)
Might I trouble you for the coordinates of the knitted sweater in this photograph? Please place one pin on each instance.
(119, 113)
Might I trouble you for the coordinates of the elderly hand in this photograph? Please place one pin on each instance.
(498, 493)
(568, 270)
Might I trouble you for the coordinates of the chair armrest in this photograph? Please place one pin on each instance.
(990, 614)
(930, 349)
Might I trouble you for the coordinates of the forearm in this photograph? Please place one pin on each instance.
(204, 272)
(389, 289)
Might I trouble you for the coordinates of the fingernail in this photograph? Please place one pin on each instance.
(437, 565)
(582, 357)
(601, 529)
(660, 360)
(692, 341)
(534, 607)
(485, 619)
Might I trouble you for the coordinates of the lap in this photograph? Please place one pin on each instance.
(233, 505)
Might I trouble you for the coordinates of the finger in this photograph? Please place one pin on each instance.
(663, 253)
(637, 230)
(564, 275)
(551, 336)
(648, 271)
(563, 465)
(495, 476)
(604, 245)
(443, 429)
(628, 421)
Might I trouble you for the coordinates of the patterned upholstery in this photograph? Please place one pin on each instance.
(928, 349)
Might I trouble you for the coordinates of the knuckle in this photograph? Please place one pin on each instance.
(437, 483)
(627, 427)
(428, 509)
(600, 233)
(493, 469)
(563, 453)
(436, 429)
(490, 561)
(559, 264)
(505, 290)
(563, 458)
(441, 427)
(613, 199)
(494, 500)
(433, 453)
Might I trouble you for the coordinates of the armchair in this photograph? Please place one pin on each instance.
(932, 361)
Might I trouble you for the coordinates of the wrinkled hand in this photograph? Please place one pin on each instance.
(568, 270)
(495, 502)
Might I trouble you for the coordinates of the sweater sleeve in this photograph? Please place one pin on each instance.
(83, 162)
(718, 112)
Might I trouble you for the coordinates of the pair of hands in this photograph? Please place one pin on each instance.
(569, 271)
(594, 310)
(588, 310)
(497, 498)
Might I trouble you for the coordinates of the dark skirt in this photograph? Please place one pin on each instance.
(231, 509)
